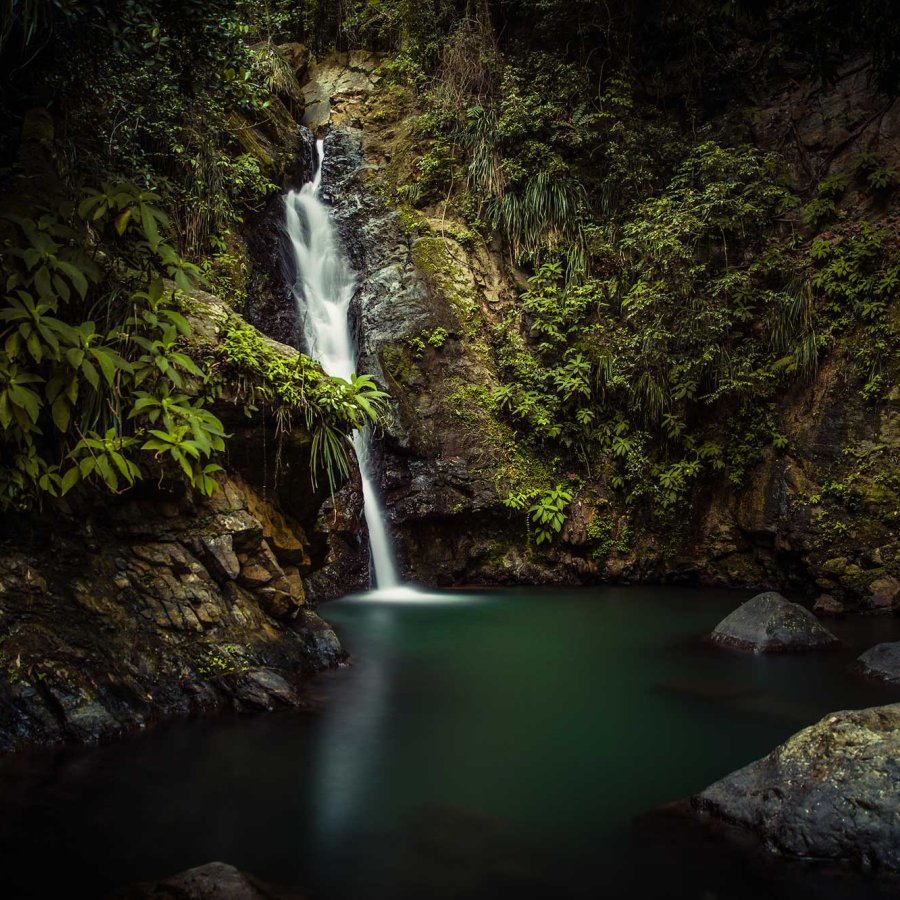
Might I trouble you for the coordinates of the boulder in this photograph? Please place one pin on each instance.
(333, 79)
(264, 689)
(830, 792)
(214, 880)
(827, 605)
(769, 623)
(884, 594)
(259, 569)
(882, 662)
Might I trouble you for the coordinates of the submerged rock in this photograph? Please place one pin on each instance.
(830, 792)
(769, 623)
(882, 661)
(214, 880)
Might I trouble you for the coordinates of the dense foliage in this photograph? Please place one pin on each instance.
(678, 284)
(117, 204)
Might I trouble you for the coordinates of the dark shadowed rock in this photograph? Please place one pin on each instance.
(884, 594)
(264, 689)
(217, 552)
(883, 662)
(148, 607)
(827, 605)
(769, 623)
(831, 792)
(213, 881)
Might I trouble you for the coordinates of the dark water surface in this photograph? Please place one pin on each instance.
(504, 744)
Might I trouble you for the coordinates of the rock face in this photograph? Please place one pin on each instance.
(831, 792)
(270, 302)
(149, 608)
(117, 611)
(213, 881)
(340, 75)
(882, 662)
(768, 623)
(430, 293)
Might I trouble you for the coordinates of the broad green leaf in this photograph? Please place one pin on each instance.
(70, 479)
(91, 374)
(62, 413)
(121, 220)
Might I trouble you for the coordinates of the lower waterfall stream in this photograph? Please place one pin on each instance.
(323, 291)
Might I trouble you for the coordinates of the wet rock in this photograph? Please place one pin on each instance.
(213, 881)
(277, 602)
(259, 569)
(322, 643)
(346, 560)
(270, 304)
(143, 629)
(264, 689)
(89, 720)
(245, 531)
(884, 594)
(293, 584)
(219, 556)
(830, 792)
(286, 539)
(882, 662)
(770, 623)
(827, 605)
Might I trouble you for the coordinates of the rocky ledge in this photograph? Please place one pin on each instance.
(120, 610)
(831, 792)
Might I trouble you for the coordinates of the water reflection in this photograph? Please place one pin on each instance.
(480, 746)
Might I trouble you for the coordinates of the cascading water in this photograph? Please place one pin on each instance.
(323, 291)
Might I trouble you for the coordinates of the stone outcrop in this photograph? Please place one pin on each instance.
(830, 792)
(338, 77)
(769, 623)
(882, 662)
(117, 616)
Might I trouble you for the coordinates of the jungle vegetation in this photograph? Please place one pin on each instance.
(679, 279)
(125, 175)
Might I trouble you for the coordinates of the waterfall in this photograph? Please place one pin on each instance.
(323, 291)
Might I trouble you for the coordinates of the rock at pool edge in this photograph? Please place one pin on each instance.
(882, 662)
(769, 623)
(830, 792)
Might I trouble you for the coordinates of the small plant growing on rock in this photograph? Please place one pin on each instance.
(438, 338)
(547, 512)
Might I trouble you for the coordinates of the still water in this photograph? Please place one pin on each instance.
(503, 744)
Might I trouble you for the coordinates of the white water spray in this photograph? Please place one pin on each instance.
(323, 291)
